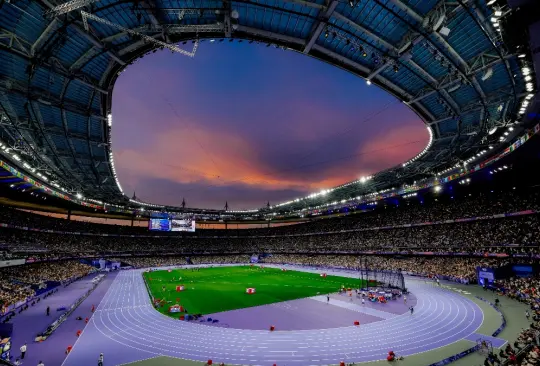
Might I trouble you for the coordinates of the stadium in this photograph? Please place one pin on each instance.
(432, 261)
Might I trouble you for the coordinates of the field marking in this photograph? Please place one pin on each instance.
(355, 307)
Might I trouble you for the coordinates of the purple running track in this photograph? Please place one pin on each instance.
(126, 327)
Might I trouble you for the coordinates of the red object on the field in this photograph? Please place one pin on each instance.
(93, 308)
(323, 274)
(356, 322)
(86, 320)
(177, 299)
(180, 288)
(68, 349)
(272, 328)
(209, 362)
(79, 332)
(182, 317)
(250, 290)
(342, 363)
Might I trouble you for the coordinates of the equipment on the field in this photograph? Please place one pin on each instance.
(250, 290)
(381, 279)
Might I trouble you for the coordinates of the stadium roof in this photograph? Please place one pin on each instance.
(59, 61)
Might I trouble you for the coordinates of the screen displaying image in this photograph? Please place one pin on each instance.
(159, 225)
(183, 225)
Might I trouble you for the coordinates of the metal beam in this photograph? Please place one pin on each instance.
(370, 34)
(391, 87)
(319, 26)
(463, 67)
(44, 36)
(498, 96)
(45, 97)
(377, 71)
(16, 127)
(75, 156)
(12, 41)
(57, 68)
(410, 12)
(405, 58)
(307, 4)
(52, 131)
(270, 35)
(96, 42)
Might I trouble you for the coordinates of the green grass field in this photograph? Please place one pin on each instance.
(212, 290)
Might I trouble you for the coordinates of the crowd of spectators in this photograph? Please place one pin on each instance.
(509, 235)
(385, 213)
(16, 281)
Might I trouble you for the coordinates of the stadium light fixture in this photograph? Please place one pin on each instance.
(437, 188)
(79, 196)
(491, 2)
(368, 82)
(498, 13)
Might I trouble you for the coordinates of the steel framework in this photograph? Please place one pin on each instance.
(377, 278)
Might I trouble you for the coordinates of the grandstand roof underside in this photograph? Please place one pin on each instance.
(56, 78)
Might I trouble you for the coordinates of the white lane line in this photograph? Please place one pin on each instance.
(432, 321)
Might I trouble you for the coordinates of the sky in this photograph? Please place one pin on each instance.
(249, 124)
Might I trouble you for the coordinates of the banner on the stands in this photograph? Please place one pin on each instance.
(13, 262)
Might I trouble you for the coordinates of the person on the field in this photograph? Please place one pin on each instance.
(363, 301)
(23, 351)
(327, 298)
(100, 360)
(412, 310)
(404, 299)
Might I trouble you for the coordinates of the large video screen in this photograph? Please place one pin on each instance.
(159, 225)
(183, 225)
